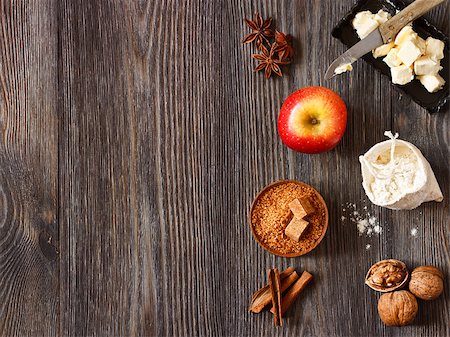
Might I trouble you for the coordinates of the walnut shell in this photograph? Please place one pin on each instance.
(397, 308)
(427, 282)
(387, 275)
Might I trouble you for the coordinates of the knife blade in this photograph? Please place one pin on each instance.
(385, 33)
(371, 41)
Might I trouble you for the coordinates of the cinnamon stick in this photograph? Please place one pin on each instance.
(262, 297)
(286, 283)
(292, 294)
(275, 290)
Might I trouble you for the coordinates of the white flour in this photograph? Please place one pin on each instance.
(366, 224)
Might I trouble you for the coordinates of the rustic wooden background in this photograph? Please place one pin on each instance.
(134, 136)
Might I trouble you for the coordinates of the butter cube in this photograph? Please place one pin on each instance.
(392, 59)
(405, 34)
(432, 83)
(343, 68)
(361, 18)
(382, 16)
(435, 48)
(383, 50)
(364, 23)
(426, 66)
(421, 44)
(402, 74)
(408, 53)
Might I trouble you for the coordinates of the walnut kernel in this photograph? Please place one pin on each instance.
(387, 275)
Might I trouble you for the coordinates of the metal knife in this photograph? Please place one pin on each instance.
(384, 34)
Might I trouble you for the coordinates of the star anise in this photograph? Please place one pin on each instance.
(260, 30)
(268, 62)
(284, 45)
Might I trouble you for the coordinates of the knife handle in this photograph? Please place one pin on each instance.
(390, 28)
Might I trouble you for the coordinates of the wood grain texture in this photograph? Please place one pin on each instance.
(29, 290)
(135, 134)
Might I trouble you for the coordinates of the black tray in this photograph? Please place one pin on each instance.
(345, 32)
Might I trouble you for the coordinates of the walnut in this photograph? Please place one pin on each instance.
(397, 308)
(427, 282)
(387, 275)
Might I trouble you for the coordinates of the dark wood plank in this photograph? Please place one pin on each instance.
(29, 269)
(431, 246)
(135, 168)
(114, 273)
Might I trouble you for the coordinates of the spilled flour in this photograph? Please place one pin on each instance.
(366, 224)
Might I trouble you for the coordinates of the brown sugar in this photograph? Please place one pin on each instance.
(271, 214)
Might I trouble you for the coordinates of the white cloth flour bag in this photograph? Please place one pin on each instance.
(396, 175)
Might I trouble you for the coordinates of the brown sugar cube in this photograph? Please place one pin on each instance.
(296, 228)
(306, 204)
(297, 209)
(301, 208)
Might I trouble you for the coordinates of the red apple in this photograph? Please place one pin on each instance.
(312, 120)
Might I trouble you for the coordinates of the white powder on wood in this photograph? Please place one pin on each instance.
(377, 229)
(366, 224)
(362, 226)
(414, 232)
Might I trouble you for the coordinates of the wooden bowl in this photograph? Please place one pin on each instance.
(291, 254)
